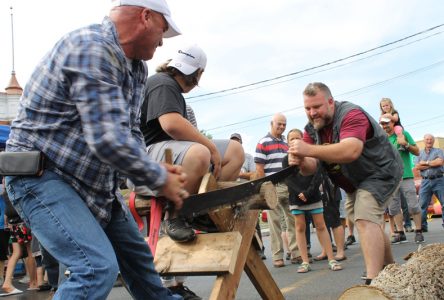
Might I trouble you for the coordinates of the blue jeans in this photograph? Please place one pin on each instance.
(64, 225)
(428, 188)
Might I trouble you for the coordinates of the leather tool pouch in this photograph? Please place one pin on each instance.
(21, 163)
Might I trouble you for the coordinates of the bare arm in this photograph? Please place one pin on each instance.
(181, 129)
(424, 165)
(247, 175)
(346, 151)
(305, 155)
(260, 171)
(414, 150)
(402, 140)
(394, 117)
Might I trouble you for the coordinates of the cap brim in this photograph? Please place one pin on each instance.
(173, 30)
(182, 67)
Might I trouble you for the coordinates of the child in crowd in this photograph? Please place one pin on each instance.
(388, 111)
(305, 197)
(20, 238)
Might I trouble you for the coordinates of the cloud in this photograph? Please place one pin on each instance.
(438, 87)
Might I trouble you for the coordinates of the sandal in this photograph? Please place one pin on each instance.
(304, 268)
(296, 260)
(334, 265)
(320, 257)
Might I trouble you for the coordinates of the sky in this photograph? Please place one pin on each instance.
(363, 50)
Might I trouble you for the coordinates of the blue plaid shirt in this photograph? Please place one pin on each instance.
(81, 108)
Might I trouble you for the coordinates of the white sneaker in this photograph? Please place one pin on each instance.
(25, 279)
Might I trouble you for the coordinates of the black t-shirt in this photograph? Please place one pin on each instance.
(163, 95)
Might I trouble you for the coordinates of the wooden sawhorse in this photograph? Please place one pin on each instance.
(225, 254)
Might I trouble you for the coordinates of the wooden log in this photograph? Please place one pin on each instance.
(208, 254)
(266, 199)
(422, 277)
(364, 292)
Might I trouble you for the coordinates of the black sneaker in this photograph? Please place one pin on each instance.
(402, 237)
(424, 229)
(350, 240)
(419, 238)
(179, 230)
(185, 292)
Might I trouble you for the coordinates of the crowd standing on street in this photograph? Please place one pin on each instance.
(96, 120)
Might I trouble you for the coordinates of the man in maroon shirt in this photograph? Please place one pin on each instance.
(358, 158)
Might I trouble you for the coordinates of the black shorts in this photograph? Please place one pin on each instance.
(332, 216)
(4, 242)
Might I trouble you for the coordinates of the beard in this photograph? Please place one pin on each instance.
(320, 123)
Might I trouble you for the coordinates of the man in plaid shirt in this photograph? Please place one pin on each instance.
(81, 109)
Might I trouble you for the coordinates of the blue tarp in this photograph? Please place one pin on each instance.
(4, 134)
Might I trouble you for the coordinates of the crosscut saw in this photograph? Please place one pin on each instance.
(200, 204)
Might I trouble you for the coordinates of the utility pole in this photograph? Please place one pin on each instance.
(12, 40)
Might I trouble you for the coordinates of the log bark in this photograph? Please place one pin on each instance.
(421, 277)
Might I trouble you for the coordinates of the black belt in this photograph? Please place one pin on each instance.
(432, 177)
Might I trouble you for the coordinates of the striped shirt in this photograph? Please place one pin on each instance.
(270, 152)
(81, 108)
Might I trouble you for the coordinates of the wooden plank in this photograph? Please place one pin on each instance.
(209, 254)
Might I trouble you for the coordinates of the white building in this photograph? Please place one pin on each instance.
(9, 100)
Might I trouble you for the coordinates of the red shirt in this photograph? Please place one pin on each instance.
(355, 124)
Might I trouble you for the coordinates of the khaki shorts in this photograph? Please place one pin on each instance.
(157, 151)
(361, 205)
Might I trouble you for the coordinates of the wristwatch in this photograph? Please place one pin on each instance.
(407, 146)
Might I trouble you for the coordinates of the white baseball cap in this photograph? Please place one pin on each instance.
(384, 120)
(159, 6)
(188, 59)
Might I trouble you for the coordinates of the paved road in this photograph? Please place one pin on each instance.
(320, 283)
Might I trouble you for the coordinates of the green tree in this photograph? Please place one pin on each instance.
(205, 133)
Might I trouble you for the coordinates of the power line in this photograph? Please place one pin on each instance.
(312, 73)
(318, 66)
(345, 93)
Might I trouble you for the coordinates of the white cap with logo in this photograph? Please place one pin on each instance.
(159, 6)
(188, 59)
